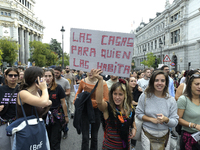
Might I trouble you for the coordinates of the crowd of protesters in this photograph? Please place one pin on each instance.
(161, 98)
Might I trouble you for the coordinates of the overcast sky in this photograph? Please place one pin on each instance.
(106, 15)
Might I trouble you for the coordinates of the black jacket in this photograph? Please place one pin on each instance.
(83, 103)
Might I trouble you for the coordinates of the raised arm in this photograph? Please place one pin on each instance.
(27, 97)
(102, 105)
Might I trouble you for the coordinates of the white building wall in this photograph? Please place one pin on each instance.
(193, 8)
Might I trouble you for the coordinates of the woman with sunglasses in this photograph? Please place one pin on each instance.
(7, 106)
(189, 113)
(181, 89)
(57, 115)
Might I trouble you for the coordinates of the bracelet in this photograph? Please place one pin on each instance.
(190, 124)
(194, 126)
(135, 129)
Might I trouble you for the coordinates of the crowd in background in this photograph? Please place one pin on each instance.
(163, 99)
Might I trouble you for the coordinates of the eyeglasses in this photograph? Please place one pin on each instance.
(11, 75)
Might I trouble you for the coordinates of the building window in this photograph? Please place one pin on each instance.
(155, 44)
(148, 46)
(172, 18)
(9, 14)
(175, 36)
(151, 45)
(6, 13)
(2, 13)
(164, 40)
(172, 38)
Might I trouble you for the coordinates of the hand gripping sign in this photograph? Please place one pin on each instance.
(109, 51)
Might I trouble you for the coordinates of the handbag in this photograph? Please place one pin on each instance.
(29, 132)
(7, 106)
(157, 143)
(138, 124)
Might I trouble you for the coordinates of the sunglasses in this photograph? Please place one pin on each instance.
(195, 76)
(11, 75)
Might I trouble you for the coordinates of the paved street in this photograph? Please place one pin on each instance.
(73, 142)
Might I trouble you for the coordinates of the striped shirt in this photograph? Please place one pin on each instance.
(112, 139)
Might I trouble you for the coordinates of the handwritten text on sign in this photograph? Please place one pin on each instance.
(110, 51)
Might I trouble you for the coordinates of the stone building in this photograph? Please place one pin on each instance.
(18, 22)
(174, 32)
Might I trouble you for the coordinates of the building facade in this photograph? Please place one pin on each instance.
(174, 32)
(18, 22)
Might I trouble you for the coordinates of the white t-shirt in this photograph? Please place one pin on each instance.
(143, 83)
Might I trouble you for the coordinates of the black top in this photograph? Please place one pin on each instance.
(5, 93)
(55, 96)
(136, 93)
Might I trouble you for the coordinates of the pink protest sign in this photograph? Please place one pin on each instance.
(110, 51)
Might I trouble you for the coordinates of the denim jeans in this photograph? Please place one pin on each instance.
(94, 131)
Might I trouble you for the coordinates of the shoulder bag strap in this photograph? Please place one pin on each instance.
(25, 113)
(94, 88)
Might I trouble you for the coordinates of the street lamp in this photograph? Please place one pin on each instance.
(62, 30)
(160, 44)
(144, 50)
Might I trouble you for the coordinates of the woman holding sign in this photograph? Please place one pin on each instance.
(87, 84)
(118, 113)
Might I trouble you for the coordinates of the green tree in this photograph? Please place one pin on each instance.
(66, 60)
(133, 64)
(9, 50)
(42, 55)
(150, 60)
(56, 47)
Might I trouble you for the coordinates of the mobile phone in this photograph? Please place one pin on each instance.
(36, 81)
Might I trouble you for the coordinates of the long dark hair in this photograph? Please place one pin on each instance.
(127, 95)
(54, 85)
(150, 89)
(189, 74)
(9, 70)
(30, 75)
(188, 90)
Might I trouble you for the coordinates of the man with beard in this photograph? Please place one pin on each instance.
(111, 81)
(72, 80)
(144, 82)
(66, 86)
(165, 68)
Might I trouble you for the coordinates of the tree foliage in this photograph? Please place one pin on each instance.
(8, 50)
(150, 60)
(42, 55)
(66, 60)
(56, 47)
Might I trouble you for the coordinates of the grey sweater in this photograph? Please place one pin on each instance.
(155, 105)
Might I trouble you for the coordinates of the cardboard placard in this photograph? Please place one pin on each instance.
(110, 51)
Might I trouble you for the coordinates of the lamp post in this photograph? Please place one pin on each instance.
(62, 30)
(160, 44)
(144, 50)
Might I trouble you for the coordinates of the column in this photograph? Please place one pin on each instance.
(21, 45)
(32, 35)
(26, 46)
